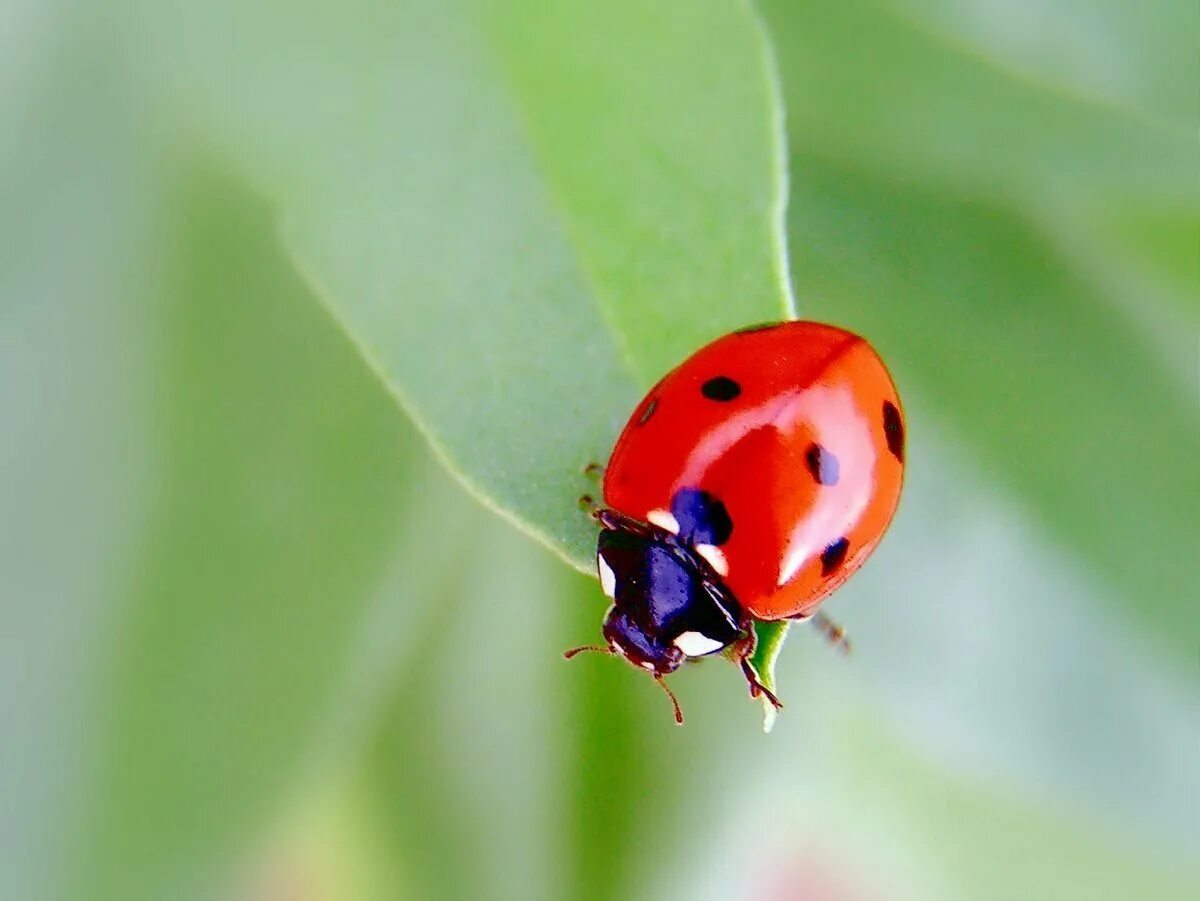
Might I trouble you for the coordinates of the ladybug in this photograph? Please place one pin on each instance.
(748, 484)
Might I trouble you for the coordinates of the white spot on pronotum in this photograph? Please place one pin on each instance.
(664, 519)
(715, 557)
(608, 579)
(648, 665)
(696, 644)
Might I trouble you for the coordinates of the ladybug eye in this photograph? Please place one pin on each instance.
(721, 388)
(893, 429)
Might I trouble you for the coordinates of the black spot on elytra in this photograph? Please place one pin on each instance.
(702, 518)
(893, 430)
(721, 387)
(648, 412)
(833, 556)
(822, 465)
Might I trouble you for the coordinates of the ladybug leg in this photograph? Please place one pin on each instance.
(833, 633)
(756, 687)
(594, 471)
(743, 648)
(611, 519)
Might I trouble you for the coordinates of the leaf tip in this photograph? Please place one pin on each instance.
(770, 715)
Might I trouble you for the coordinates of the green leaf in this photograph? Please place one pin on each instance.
(567, 199)
(770, 638)
(279, 485)
(522, 215)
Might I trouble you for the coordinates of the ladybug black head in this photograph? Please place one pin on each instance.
(665, 607)
(668, 603)
(638, 646)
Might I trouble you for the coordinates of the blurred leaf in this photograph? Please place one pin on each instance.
(522, 215)
(877, 821)
(929, 109)
(641, 789)
(1010, 347)
(461, 766)
(1109, 186)
(1004, 661)
(326, 849)
(1004, 846)
(74, 461)
(967, 220)
(1136, 55)
(569, 780)
(554, 779)
(281, 483)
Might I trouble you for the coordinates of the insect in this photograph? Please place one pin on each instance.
(749, 483)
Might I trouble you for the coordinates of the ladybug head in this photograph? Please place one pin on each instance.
(665, 607)
(640, 647)
(626, 639)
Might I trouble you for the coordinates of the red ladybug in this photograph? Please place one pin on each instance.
(751, 482)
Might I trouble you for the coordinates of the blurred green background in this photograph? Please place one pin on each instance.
(257, 643)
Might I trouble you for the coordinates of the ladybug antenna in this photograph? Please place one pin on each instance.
(597, 648)
(605, 649)
(670, 694)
